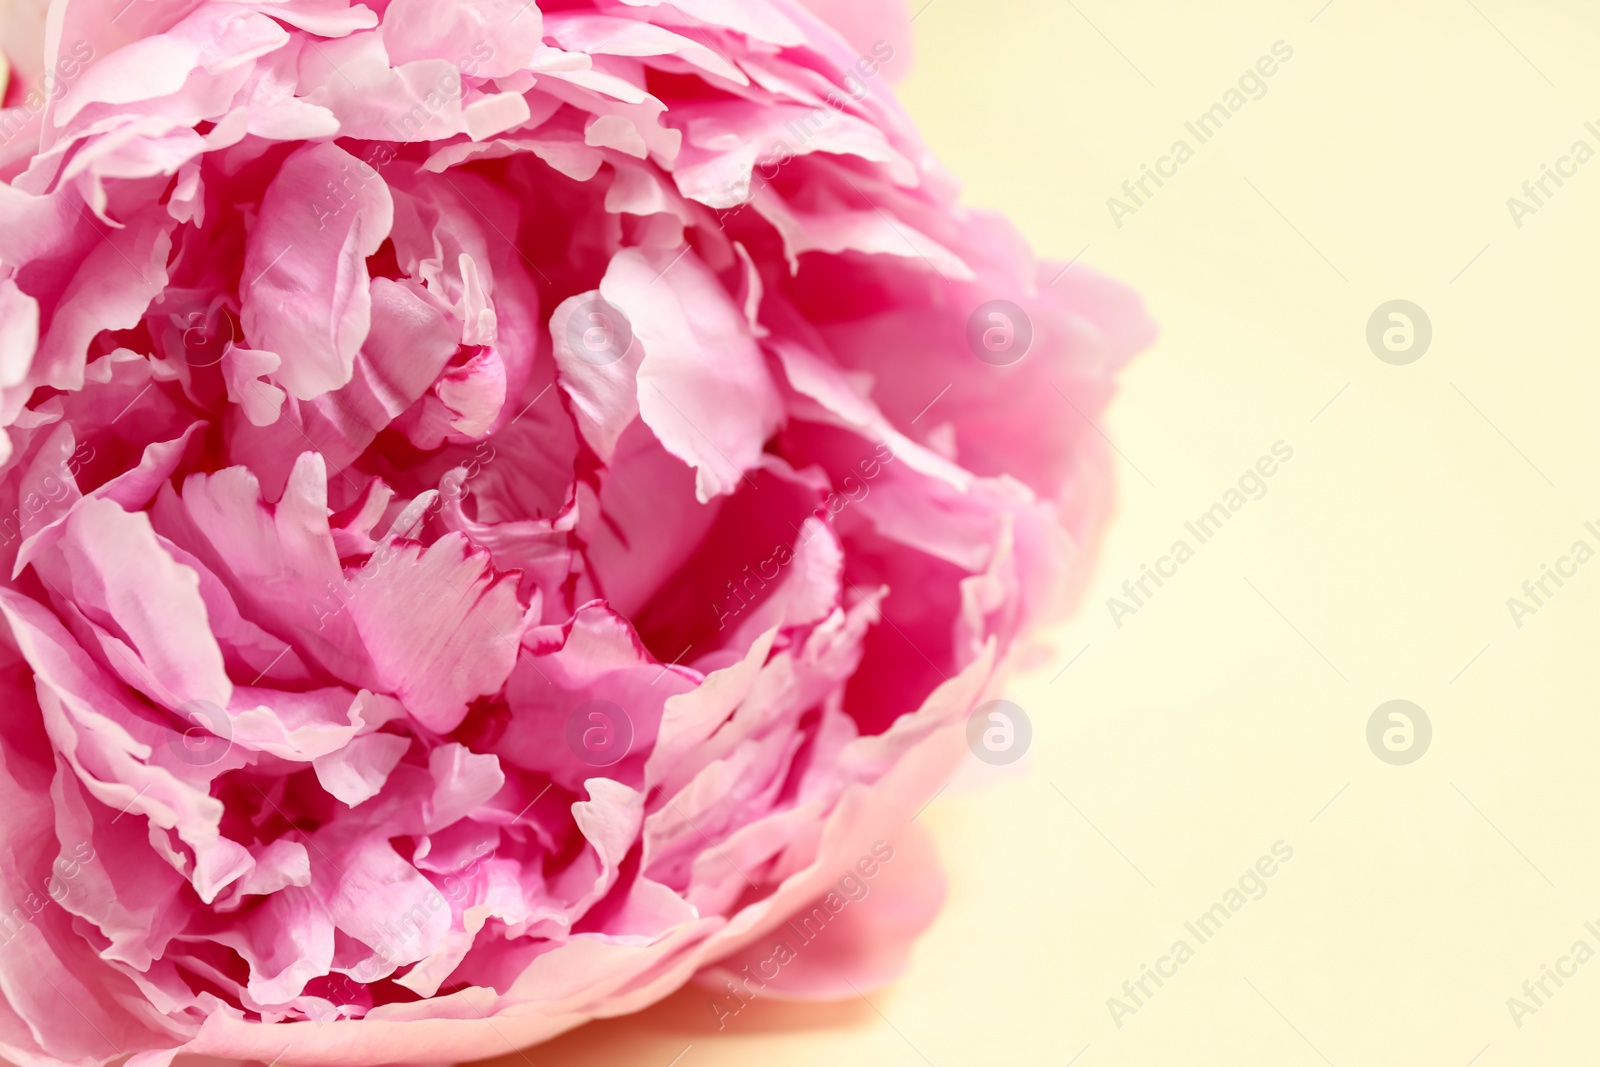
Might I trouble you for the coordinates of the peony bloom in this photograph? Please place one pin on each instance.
(504, 505)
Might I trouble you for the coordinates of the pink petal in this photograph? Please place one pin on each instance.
(853, 939)
(119, 568)
(463, 780)
(305, 286)
(486, 38)
(704, 388)
(877, 31)
(19, 333)
(441, 627)
(598, 368)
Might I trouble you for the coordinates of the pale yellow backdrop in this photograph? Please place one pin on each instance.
(1227, 713)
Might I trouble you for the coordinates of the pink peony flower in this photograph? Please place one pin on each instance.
(505, 505)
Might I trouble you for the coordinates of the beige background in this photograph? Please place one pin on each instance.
(1230, 712)
(1210, 726)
